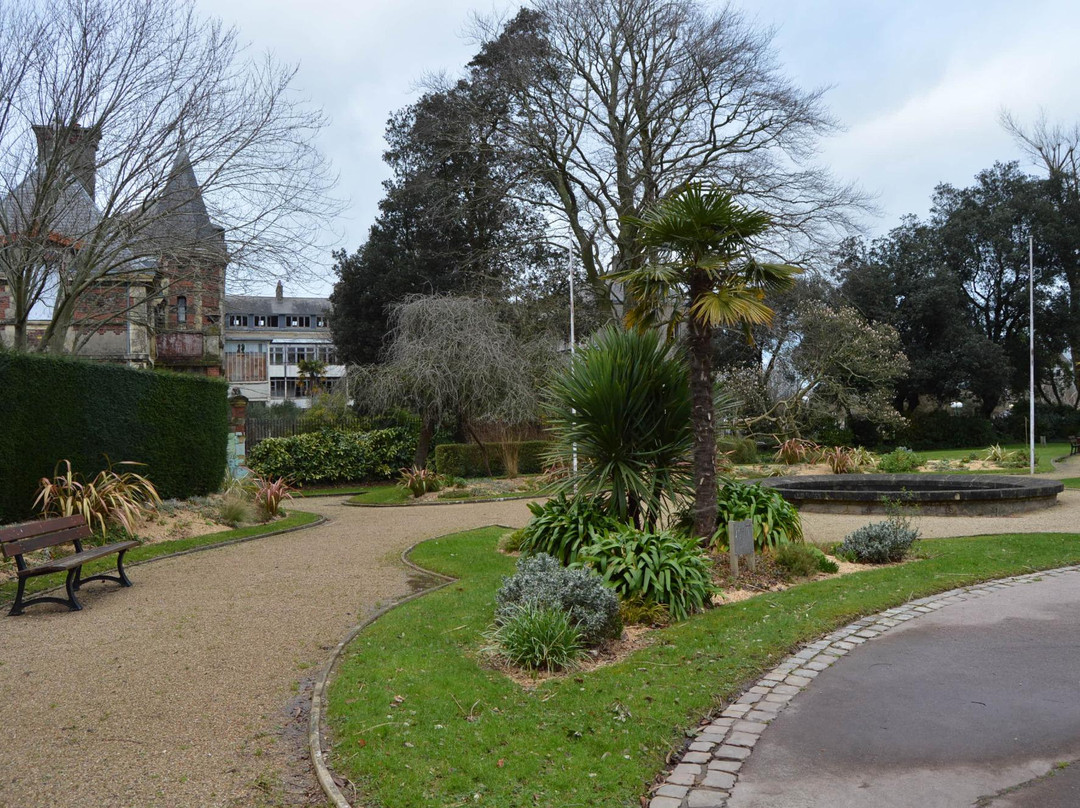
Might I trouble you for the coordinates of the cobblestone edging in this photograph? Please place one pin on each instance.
(709, 769)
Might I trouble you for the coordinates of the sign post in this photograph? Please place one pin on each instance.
(741, 544)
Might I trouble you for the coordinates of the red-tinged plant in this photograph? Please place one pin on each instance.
(113, 497)
(270, 493)
(420, 481)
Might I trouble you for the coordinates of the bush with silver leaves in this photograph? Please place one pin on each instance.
(542, 581)
(879, 542)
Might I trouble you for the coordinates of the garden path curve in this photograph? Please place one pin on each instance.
(188, 689)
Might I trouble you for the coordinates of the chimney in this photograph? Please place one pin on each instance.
(280, 293)
(78, 145)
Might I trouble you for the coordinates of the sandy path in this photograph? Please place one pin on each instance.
(177, 692)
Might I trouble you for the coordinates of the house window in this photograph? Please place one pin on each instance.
(322, 322)
(277, 388)
(277, 355)
(181, 309)
(238, 320)
(260, 322)
(240, 348)
(274, 321)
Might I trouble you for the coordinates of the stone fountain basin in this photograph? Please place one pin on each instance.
(931, 494)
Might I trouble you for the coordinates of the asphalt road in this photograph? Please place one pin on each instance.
(977, 704)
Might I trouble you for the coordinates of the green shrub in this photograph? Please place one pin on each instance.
(542, 581)
(741, 451)
(511, 542)
(637, 611)
(803, 560)
(563, 525)
(776, 521)
(623, 406)
(879, 542)
(537, 638)
(467, 459)
(333, 455)
(55, 408)
(900, 460)
(656, 567)
(943, 430)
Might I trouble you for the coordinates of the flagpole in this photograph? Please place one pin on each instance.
(1031, 350)
(573, 348)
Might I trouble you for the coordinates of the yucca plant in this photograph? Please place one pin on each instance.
(111, 497)
(624, 404)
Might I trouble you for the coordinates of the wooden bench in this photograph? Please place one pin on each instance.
(20, 539)
(1074, 445)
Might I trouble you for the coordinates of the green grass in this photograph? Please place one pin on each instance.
(149, 551)
(396, 495)
(1044, 454)
(391, 494)
(465, 734)
(1072, 482)
(332, 490)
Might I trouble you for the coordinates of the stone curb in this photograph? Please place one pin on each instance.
(322, 520)
(445, 502)
(709, 769)
(315, 742)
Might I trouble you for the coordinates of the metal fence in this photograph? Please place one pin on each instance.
(260, 428)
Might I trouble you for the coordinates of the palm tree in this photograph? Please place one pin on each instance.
(706, 277)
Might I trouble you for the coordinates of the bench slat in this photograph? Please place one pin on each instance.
(14, 548)
(16, 532)
(77, 559)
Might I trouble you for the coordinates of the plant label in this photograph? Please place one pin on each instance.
(741, 544)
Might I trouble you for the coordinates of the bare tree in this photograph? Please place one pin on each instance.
(614, 104)
(1056, 149)
(451, 357)
(135, 133)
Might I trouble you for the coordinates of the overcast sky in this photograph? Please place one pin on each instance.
(917, 84)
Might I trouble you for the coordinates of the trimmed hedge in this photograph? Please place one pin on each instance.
(55, 408)
(467, 459)
(335, 455)
(942, 430)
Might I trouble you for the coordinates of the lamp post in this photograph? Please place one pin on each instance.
(1031, 352)
(573, 347)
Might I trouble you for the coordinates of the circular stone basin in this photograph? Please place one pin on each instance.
(931, 494)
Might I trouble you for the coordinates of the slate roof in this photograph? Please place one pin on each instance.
(71, 215)
(267, 305)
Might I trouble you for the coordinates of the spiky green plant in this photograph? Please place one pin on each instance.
(624, 404)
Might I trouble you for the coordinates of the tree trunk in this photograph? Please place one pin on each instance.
(423, 444)
(483, 448)
(701, 416)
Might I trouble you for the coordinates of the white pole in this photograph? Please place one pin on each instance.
(573, 348)
(1031, 349)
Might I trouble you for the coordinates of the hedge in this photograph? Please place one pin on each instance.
(56, 408)
(335, 455)
(942, 430)
(467, 459)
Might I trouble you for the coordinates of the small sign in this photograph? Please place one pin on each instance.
(741, 544)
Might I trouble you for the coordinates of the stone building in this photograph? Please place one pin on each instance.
(157, 298)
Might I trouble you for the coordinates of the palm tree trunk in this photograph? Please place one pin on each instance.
(701, 415)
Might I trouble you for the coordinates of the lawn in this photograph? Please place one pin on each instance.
(477, 489)
(417, 721)
(1072, 482)
(149, 551)
(1044, 454)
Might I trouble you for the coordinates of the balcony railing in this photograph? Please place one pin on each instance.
(244, 367)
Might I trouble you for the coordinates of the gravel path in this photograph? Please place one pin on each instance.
(187, 690)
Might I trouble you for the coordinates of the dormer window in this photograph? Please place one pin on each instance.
(240, 320)
(322, 322)
(181, 310)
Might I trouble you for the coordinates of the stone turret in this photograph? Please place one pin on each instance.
(78, 146)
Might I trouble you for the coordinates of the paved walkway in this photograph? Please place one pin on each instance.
(186, 689)
(974, 704)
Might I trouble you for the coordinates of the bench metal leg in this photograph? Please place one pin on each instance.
(120, 577)
(70, 584)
